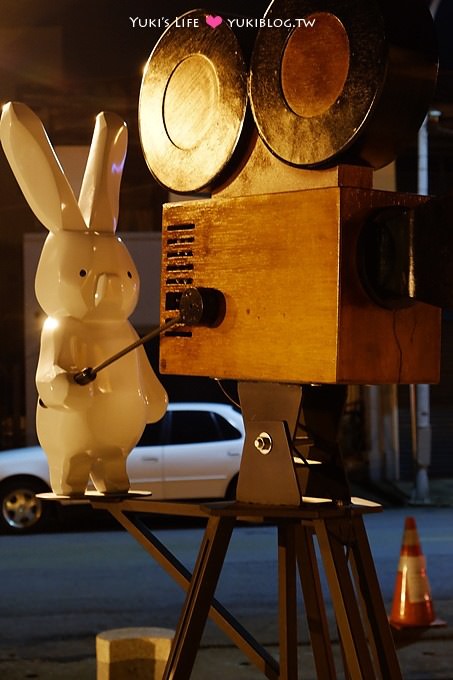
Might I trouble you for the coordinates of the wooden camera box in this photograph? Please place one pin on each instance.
(296, 309)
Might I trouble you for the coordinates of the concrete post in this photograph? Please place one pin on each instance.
(132, 653)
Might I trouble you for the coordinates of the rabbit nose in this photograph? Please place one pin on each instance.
(107, 288)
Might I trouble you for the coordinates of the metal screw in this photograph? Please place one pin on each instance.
(264, 443)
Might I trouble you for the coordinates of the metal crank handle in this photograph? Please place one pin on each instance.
(89, 374)
(197, 307)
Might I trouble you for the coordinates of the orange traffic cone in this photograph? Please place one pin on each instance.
(412, 605)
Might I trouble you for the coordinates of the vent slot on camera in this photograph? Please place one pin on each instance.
(178, 267)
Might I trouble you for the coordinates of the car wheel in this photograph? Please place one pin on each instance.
(21, 510)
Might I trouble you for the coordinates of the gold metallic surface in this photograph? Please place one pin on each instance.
(190, 101)
(264, 173)
(353, 87)
(192, 104)
(315, 65)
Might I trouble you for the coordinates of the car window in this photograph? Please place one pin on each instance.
(190, 427)
(152, 434)
(226, 429)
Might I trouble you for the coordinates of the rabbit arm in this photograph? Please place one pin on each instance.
(53, 386)
(54, 381)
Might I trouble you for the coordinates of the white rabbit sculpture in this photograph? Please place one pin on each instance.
(87, 284)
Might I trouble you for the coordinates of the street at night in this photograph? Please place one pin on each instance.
(60, 589)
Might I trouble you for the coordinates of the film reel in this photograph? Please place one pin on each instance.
(342, 81)
(193, 102)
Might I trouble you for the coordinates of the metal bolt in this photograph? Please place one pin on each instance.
(264, 443)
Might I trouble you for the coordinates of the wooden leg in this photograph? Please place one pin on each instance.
(199, 597)
(314, 604)
(239, 635)
(350, 625)
(287, 601)
(374, 613)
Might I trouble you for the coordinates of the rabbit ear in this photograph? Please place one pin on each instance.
(99, 194)
(37, 169)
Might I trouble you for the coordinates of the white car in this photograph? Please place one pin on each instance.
(193, 452)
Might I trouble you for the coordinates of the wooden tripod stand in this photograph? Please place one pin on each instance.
(366, 641)
(367, 646)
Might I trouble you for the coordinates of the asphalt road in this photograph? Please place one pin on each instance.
(58, 590)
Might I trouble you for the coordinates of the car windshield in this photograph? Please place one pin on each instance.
(189, 427)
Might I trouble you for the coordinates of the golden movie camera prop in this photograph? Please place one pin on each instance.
(295, 276)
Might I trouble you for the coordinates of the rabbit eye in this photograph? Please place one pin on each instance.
(83, 272)
(129, 274)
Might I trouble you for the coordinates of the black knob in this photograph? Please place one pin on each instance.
(85, 377)
(202, 307)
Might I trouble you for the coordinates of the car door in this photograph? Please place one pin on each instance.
(145, 462)
(200, 457)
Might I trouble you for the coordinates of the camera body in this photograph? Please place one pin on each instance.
(296, 309)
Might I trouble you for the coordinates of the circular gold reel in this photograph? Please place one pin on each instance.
(343, 81)
(192, 103)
